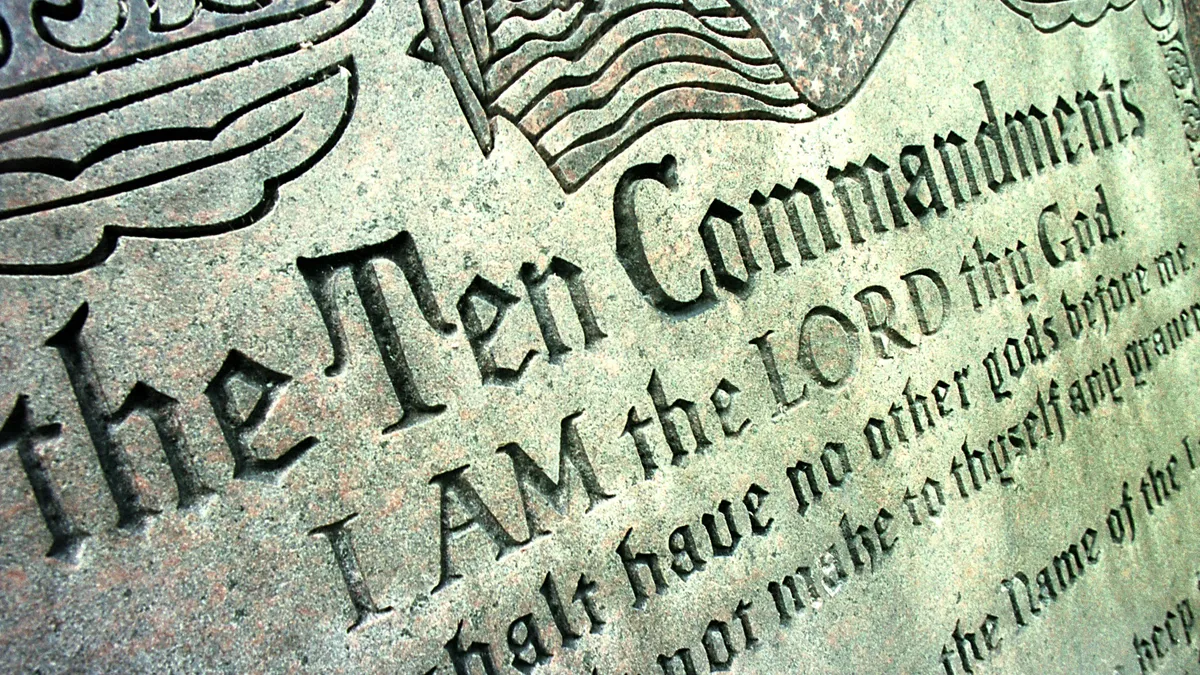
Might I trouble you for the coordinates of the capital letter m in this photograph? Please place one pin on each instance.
(572, 461)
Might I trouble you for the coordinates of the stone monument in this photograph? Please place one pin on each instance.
(599, 337)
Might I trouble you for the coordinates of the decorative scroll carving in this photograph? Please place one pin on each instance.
(79, 25)
(1164, 17)
(1050, 15)
(187, 107)
(54, 41)
(584, 79)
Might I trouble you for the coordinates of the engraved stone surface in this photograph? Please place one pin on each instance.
(600, 337)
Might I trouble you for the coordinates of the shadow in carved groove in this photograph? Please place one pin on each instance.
(5, 42)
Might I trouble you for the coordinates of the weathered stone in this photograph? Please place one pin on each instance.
(599, 336)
